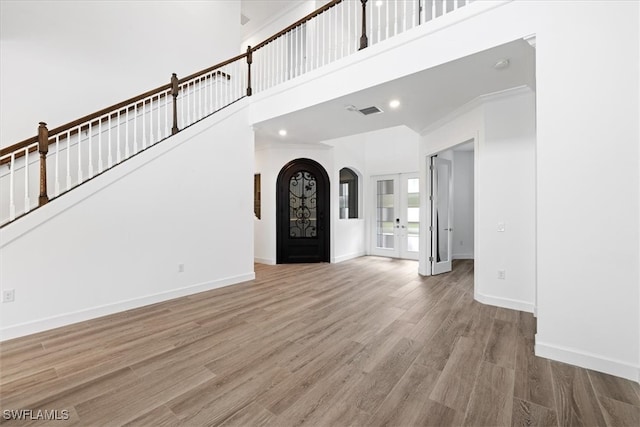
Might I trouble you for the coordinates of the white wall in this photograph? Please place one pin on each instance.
(61, 60)
(506, 194)
(350, 233)
(116, 242)
(587, 152)
(270, 158)
(463, 185)
(503, 129)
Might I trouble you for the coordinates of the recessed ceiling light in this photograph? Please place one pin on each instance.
(379, 3)
(501, 64)
(282, 132)
(394, 103)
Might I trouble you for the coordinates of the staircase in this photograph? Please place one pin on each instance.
(42, 168)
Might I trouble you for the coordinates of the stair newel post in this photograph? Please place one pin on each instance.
(364, 41)
(43, 149)
(249, 61)
(174, 92)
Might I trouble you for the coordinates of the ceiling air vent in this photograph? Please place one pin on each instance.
(370, 110)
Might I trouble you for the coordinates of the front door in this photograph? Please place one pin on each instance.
(396, 226)
(302, 213)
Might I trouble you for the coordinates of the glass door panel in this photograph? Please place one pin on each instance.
(412, 217)
(385, 214)
(441, 189)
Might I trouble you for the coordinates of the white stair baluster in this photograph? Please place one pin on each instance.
(68, 177)
(211, 108)
(166, 115)
(100, 160)
(200, 105)
(57, 172)
(27, 201)
(118, 149)
(12, 203)
(158, 124)
(136, 147)
(90, 151)
(126, 134)
(144, 124)
(79, 145)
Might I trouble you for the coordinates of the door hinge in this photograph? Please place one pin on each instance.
(430, 228)
(430, 197)
(431, 168)
(430, 259)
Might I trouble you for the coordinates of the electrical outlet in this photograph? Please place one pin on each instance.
(180, 268)
(501, 227)
(8, 295)
(501, 274)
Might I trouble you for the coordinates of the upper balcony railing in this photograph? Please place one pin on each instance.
(45, 166)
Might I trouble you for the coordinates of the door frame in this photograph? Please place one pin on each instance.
(400, 205)
(425, 204)
(282, 217)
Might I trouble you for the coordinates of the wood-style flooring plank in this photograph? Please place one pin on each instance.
(492, 397)
(533, 375)
(527, 414)
(576, 402)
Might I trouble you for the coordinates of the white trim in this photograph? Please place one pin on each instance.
(267, 261)
(347, 257)
(587, 360)
(104, 310)
(504, 302)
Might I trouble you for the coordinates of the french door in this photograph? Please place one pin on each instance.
(395, 230)
(441, 215)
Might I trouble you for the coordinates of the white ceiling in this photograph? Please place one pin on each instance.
(425, 97)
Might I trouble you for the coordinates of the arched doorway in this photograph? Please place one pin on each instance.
(302, 217)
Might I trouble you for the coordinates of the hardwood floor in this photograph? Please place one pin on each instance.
(365, 342)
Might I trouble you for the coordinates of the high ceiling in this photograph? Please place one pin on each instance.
(425, 97)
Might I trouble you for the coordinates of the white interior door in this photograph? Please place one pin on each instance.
(441, 215)
(395, 230)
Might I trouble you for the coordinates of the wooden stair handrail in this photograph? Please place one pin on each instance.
(166, 87)
(46, 137)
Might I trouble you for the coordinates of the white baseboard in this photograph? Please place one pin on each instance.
(347, 257)
(267, 261)
(587, 360)
(53, 322)
(462, 256)
(505, 302)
